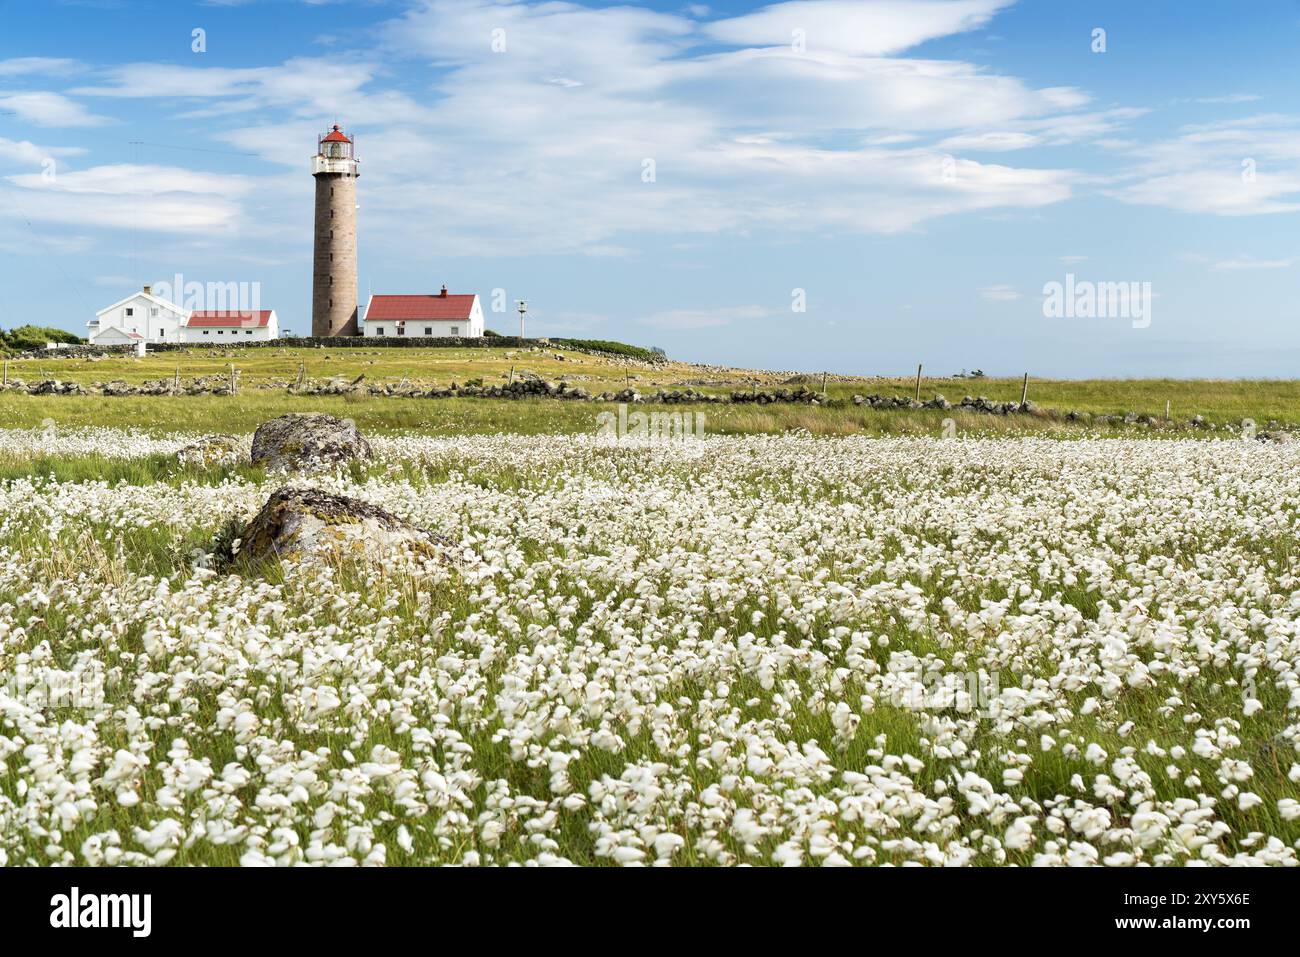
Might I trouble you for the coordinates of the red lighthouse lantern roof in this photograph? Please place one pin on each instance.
(335, 136)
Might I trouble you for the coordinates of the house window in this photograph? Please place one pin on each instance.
(129, 311)
(455, 330)
(401, 330)
(153, 310)
(248, 332)
(221, 332)
(428, 330)
(379, 330)
(205, 332)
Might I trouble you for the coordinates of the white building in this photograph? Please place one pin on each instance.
(424, 316)
(144, 317)
(224, 327)
(141, 315)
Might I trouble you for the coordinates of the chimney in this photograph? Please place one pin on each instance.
(443, 294)
(148, 290)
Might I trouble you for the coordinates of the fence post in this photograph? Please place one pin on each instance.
(232, 378)
(512, 376)
(1166, 410)
(1024, 391)
(918, 382)
(176, 380)
(823, 383)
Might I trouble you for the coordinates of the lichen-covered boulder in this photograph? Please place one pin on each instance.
(212, 451)
(1277, 436)
(303, 440)
(308, 523)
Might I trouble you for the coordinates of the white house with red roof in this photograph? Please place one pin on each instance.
(424, 316)
(227, 327)
(148, 318)
(141, 316)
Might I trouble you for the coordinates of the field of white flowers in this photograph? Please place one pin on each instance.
(761, 650)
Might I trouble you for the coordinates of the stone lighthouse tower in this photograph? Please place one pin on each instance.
(334, 273)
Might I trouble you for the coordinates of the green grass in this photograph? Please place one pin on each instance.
(244, 412)
(112, 471)
(1219, 400)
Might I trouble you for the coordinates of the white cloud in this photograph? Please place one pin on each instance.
(132, 180)
(861, 27)
(738, 138)
(1245, 167)
(147, 198)
(742, 140)
(27, 153)
(704, 318)
(317, 88)
(1230, 98)
(1245, 262)
(999, 293)
(44, 108)
(29, 65)
(990, 141)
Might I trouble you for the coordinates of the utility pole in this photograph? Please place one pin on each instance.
(523, 308)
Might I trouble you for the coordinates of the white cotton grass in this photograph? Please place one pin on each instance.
(787, 651)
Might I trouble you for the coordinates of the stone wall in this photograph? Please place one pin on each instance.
(345, 342)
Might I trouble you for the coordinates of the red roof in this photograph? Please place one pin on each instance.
(335, 136)
(420, 307)
(251, 319)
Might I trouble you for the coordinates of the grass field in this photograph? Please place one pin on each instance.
(1217, 400)
(244, 412)
(764, 649)
(821, 635)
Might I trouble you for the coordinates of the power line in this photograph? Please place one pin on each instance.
(22, 215)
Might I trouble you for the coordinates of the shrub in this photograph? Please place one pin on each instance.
(613, 348)
(29, 338)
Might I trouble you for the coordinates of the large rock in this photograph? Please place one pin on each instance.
(299, 440)
(211, 451)
(308, 523)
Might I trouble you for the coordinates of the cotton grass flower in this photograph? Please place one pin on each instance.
(790, 651)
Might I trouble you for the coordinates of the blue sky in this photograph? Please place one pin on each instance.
(920, 170)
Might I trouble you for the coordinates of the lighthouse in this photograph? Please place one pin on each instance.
(334, 271)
